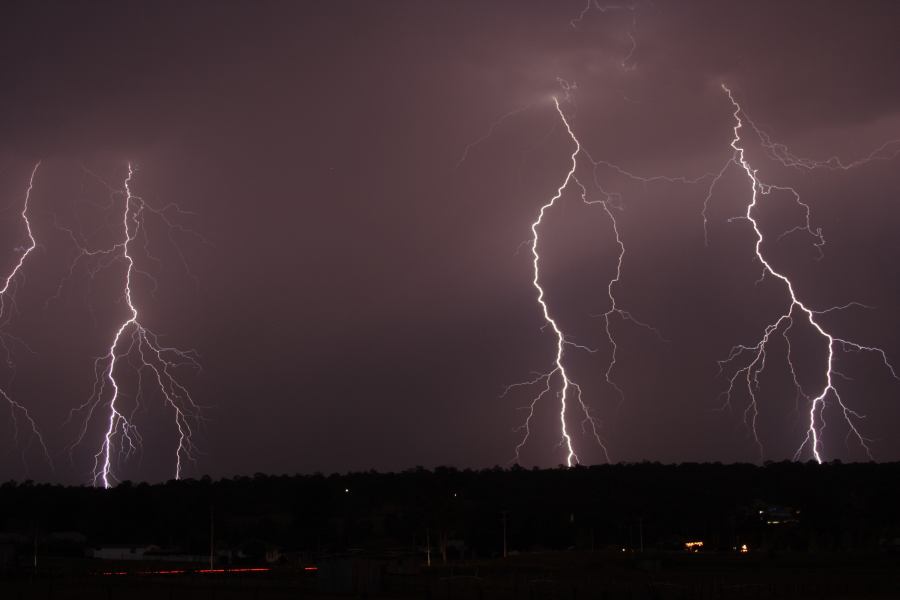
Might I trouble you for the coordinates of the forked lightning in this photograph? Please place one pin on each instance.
(749, 361)
(7, 306)
(135, 346)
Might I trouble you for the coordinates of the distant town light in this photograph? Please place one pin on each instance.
(693, 546)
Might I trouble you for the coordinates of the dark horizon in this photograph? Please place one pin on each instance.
(778, 508)
(355, 183)
(783, 530)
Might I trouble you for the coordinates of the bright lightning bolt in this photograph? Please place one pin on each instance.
(559, 368)
(7, 295)
(138, 347)
(610, 203)
(567, 388)
(751, 359)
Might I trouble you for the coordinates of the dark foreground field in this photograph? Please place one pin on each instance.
(562, 575)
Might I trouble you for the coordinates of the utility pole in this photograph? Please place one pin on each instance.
(428, 547)
(212, 538)
(504, 514)
(641, 533)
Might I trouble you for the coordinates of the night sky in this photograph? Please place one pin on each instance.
(359, 300)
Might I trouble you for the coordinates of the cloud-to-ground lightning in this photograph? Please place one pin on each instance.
(558, 379)
(7, 306)
(566, 388)
(559, 368)
(133, 345)
(561, 342)
(749, 361)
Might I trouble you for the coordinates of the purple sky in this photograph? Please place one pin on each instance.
(362, 301)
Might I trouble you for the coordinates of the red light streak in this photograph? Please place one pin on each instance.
(198, 571)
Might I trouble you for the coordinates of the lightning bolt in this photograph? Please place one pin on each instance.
(567, 389)
(134, 345)
(750, 360)
(559, 366)
(7, 295)
(610, 202)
